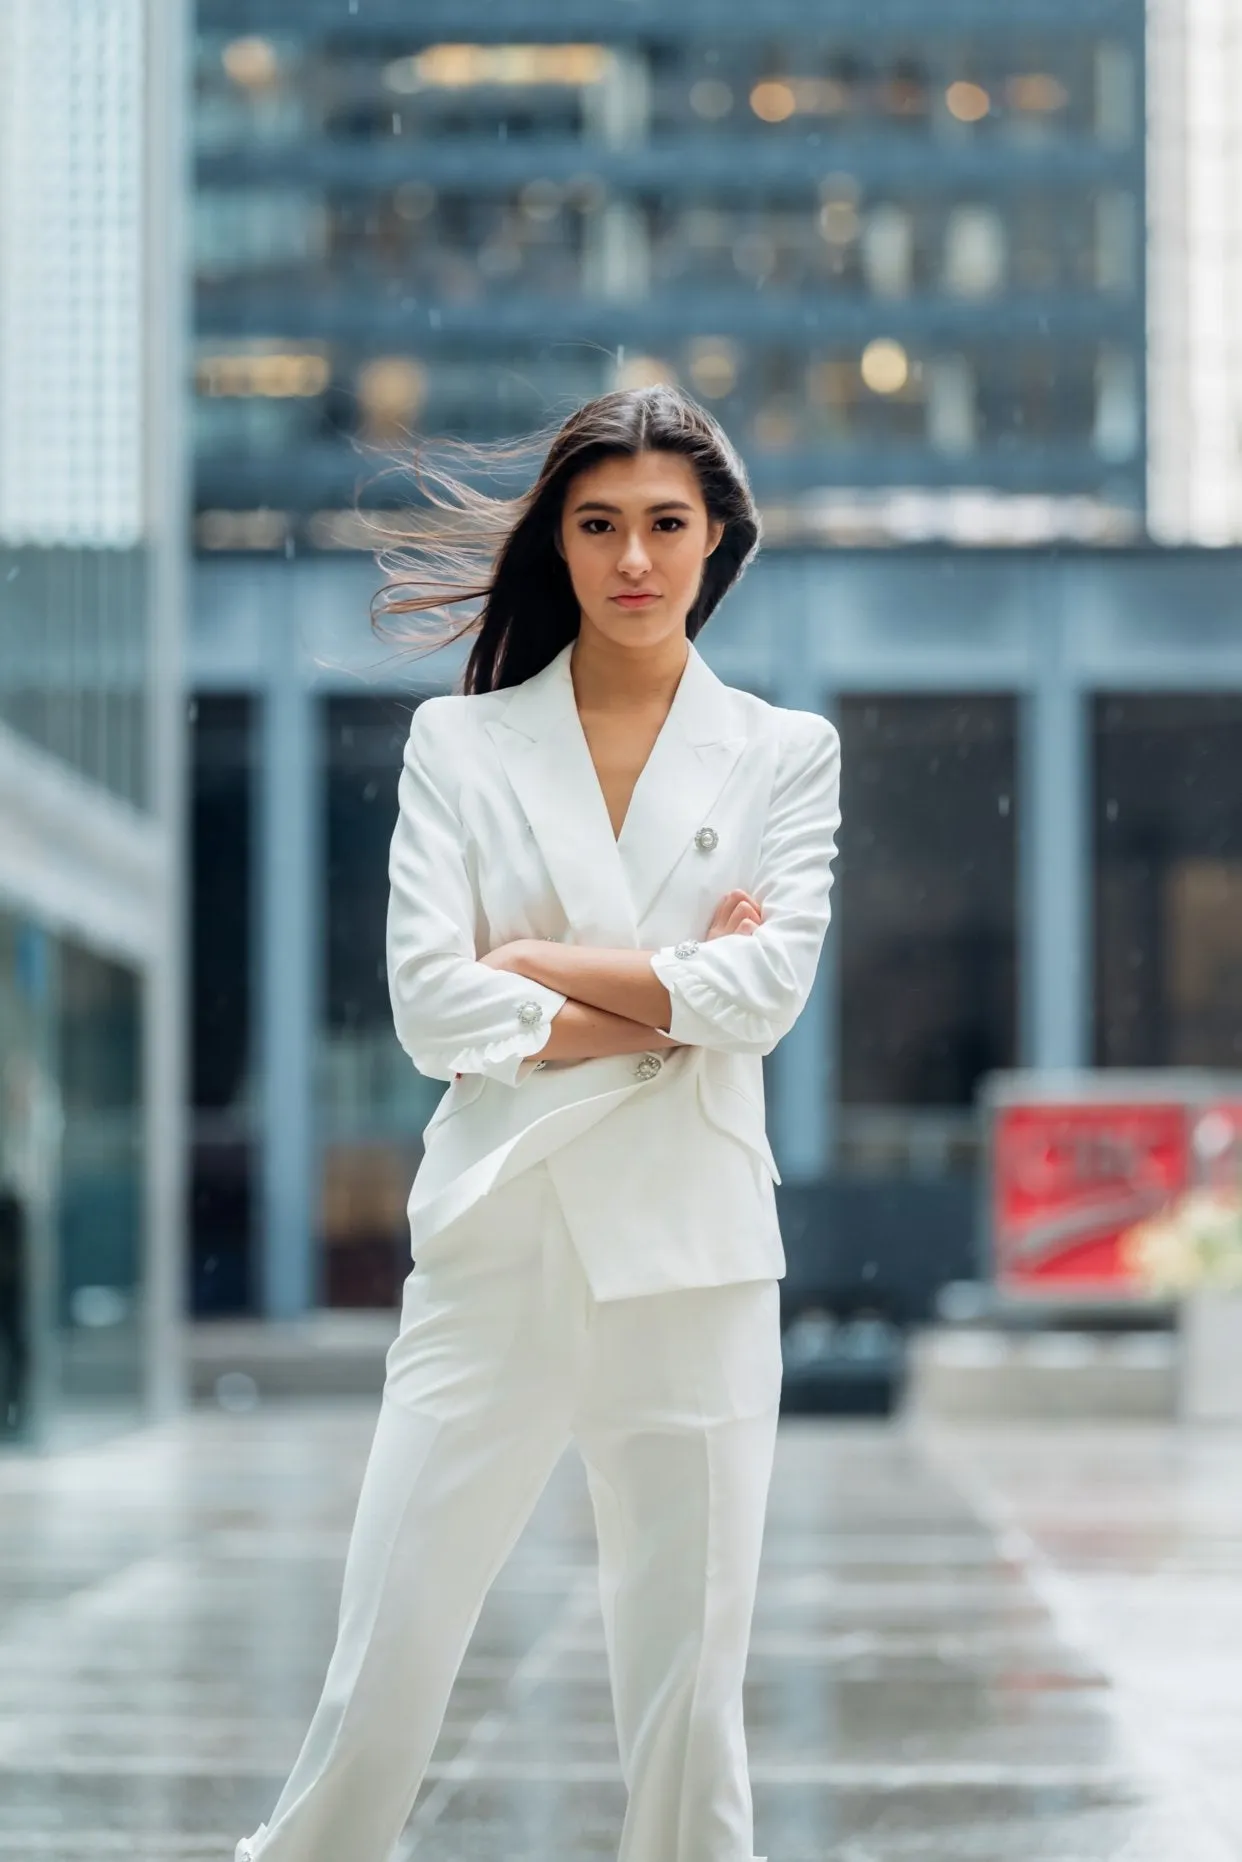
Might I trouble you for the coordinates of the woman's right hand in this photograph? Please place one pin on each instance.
(737, 911)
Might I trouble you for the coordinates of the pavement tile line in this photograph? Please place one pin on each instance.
(1157, 1765)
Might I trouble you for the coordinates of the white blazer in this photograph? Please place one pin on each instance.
(661, 1161)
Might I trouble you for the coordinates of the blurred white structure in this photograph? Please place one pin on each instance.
(1194, 193)
(71, 271)
(92, 527)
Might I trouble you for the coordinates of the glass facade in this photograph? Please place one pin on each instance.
(1168, 880)
(927, 924)
(372, 1104)
(223, 1135)
(75, 661)
(74, 653)
(92, 536)
(886, 257)
(71, 1185)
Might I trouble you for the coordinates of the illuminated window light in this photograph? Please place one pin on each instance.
(461, 67)
(713, 366)
(251, 62)
(272, 375)
(391, 391)
(356, 530)
(1036, 91)
(774, 100)
(969, 103)
(644, 372)
(838, 222)
(242, 530)
(885, 366)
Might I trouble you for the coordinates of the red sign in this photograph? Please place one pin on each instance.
(1069, 1178)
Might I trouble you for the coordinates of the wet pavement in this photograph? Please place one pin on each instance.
(1005, 1645)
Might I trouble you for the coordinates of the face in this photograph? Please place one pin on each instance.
(635, 534)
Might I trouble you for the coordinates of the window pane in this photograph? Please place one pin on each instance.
(101, 1184)
(222, 1136)
(927, 922)
(372, 1104)
(1168, 877)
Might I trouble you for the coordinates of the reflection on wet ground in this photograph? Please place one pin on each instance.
(998, 1645)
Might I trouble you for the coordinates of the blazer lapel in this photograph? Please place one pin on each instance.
(606, 885)
(541, 745)
(690, 762)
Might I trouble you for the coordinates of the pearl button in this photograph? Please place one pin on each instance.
(529, 1013)
(686, 949)
(648, 1066)
(706, 839)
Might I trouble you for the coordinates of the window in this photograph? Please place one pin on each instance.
(1168, 881)
(372, 1104)
(927, 913)
(222, 1134)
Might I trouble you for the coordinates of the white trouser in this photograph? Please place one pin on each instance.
(502, 1357)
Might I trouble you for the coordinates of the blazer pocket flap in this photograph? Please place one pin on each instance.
(737, 1114)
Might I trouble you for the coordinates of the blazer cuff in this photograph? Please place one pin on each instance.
(695, 1020)
(512, 1057)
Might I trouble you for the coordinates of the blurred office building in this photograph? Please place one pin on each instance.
(901, 251)
(92, 541)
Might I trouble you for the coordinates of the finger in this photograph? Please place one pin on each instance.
(743, 916)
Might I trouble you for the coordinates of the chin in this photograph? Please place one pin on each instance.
(645, 625)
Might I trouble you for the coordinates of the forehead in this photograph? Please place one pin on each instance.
(644, 478)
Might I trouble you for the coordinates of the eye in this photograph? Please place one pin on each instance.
(678, 523)
(588, 525)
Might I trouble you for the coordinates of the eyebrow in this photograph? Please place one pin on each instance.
(614, 510)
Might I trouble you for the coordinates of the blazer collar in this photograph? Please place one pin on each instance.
(605, 884)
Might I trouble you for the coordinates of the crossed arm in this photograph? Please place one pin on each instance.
(738, 989)
(616, 1002)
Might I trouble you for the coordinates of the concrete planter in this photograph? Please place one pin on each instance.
(1210, 1384)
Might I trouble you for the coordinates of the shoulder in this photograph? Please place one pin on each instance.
(804, 728)
(446, 720)
(808, 757)
(794, 731)
(801, 736)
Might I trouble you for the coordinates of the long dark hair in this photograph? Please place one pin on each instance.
(468, 546)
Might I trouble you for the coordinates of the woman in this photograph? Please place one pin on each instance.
(610, 887)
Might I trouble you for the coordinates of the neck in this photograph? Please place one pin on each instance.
(610, 677)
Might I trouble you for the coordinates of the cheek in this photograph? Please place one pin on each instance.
(685, 563)
(585, 561)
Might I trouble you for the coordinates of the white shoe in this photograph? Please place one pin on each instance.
(245, 1850)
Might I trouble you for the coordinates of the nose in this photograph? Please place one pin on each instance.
(634, 559)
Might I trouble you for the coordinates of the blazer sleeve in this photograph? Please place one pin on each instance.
(744, 991)
(452, 1013)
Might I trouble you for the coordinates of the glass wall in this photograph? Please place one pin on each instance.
(927, 925)
(71, 1186)
(30, 1122)
(223, 1138)
(775, 398)
(1168, 880)
(100, 1227)
(74, 660)
(888, 256)
(372, 1104)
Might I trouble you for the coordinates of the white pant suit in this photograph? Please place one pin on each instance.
(596, 1253)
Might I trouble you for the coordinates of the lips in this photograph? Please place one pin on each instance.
(635, 601)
